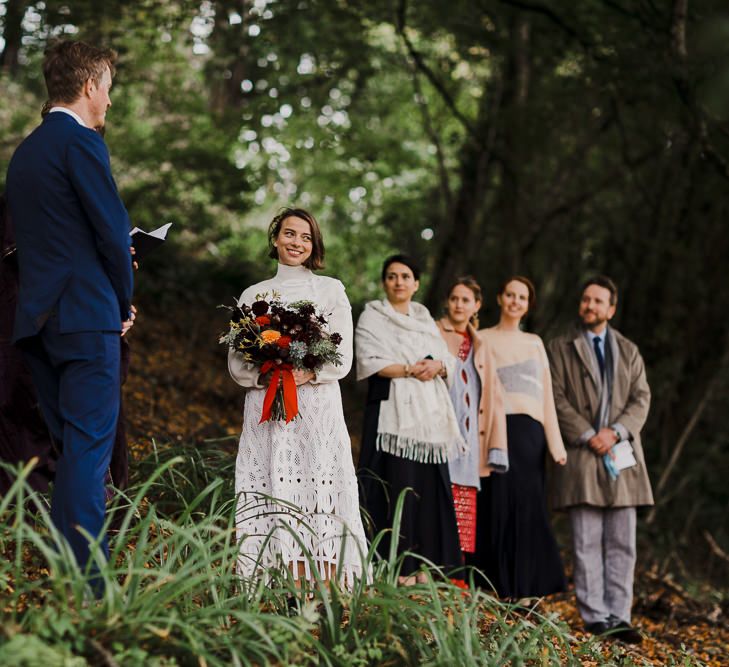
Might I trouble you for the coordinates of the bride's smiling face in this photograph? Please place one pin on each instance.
(294, 241)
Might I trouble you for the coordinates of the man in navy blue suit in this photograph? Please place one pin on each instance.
(75, 282)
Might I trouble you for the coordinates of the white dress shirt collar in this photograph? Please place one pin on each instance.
(73, 114)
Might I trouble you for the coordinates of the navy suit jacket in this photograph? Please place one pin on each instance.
(72, 231)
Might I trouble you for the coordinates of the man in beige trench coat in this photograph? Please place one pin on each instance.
(602, 398)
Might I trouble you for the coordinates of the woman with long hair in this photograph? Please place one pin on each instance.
(515, 548)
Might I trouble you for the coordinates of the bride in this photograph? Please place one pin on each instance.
(305, 464)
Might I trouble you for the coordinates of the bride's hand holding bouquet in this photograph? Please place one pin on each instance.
(288, 343)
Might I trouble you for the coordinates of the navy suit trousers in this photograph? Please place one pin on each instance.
(77, 379)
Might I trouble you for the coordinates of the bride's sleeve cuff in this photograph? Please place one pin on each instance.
(243, 373)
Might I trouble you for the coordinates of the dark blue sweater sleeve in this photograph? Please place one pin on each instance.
(90, 172)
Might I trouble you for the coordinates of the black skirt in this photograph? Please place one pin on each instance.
(428, 525)
(515, 547)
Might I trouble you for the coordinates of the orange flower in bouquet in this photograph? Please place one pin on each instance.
(270, 335)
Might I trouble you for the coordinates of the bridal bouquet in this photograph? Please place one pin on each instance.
(278, 339)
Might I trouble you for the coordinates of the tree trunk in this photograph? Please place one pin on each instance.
(13, 35)
(462, 219)
(461, 247)
(230, 65)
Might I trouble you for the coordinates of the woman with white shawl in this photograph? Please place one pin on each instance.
(410, 430)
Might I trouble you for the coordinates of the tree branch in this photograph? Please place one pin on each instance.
(445, 185)
(429, 74)
(616, 7)
(678, 29)
(685, 91)
(580, 200)
(714, 546)
(681, 442)
(552, 16)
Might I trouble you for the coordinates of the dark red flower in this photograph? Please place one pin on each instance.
(307, 309)
(310, 361)
(260, 308)
(335, 338)
(284, 341)
(263, 320)
(289, 319)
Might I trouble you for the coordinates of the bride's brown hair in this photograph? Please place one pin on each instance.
(316, 259)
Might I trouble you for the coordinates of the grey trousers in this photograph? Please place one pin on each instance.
(603, 540)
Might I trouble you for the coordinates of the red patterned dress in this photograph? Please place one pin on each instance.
(466, 394)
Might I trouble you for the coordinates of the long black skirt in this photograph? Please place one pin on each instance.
(515, 546)
(428, 523)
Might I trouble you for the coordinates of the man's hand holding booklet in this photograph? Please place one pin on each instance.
(145, 242)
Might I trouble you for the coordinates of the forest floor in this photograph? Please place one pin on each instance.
(179, 390)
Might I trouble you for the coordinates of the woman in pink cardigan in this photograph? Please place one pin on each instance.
(478, 402)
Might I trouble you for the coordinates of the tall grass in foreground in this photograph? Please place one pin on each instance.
(173, 597)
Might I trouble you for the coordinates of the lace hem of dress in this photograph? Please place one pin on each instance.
(277, 535)
(253, 568)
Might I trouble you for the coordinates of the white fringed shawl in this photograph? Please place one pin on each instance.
(417, 421)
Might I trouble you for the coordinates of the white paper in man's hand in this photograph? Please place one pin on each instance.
(623, 455)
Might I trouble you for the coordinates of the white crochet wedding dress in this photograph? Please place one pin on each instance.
(306, 464)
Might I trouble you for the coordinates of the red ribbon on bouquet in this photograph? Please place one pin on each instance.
(290, 399)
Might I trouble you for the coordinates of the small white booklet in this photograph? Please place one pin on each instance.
(623, 453)
(144, 242)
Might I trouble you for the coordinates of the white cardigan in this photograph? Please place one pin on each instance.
(295, 283)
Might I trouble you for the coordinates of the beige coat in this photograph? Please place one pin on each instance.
(584, 480)
(491, 413)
